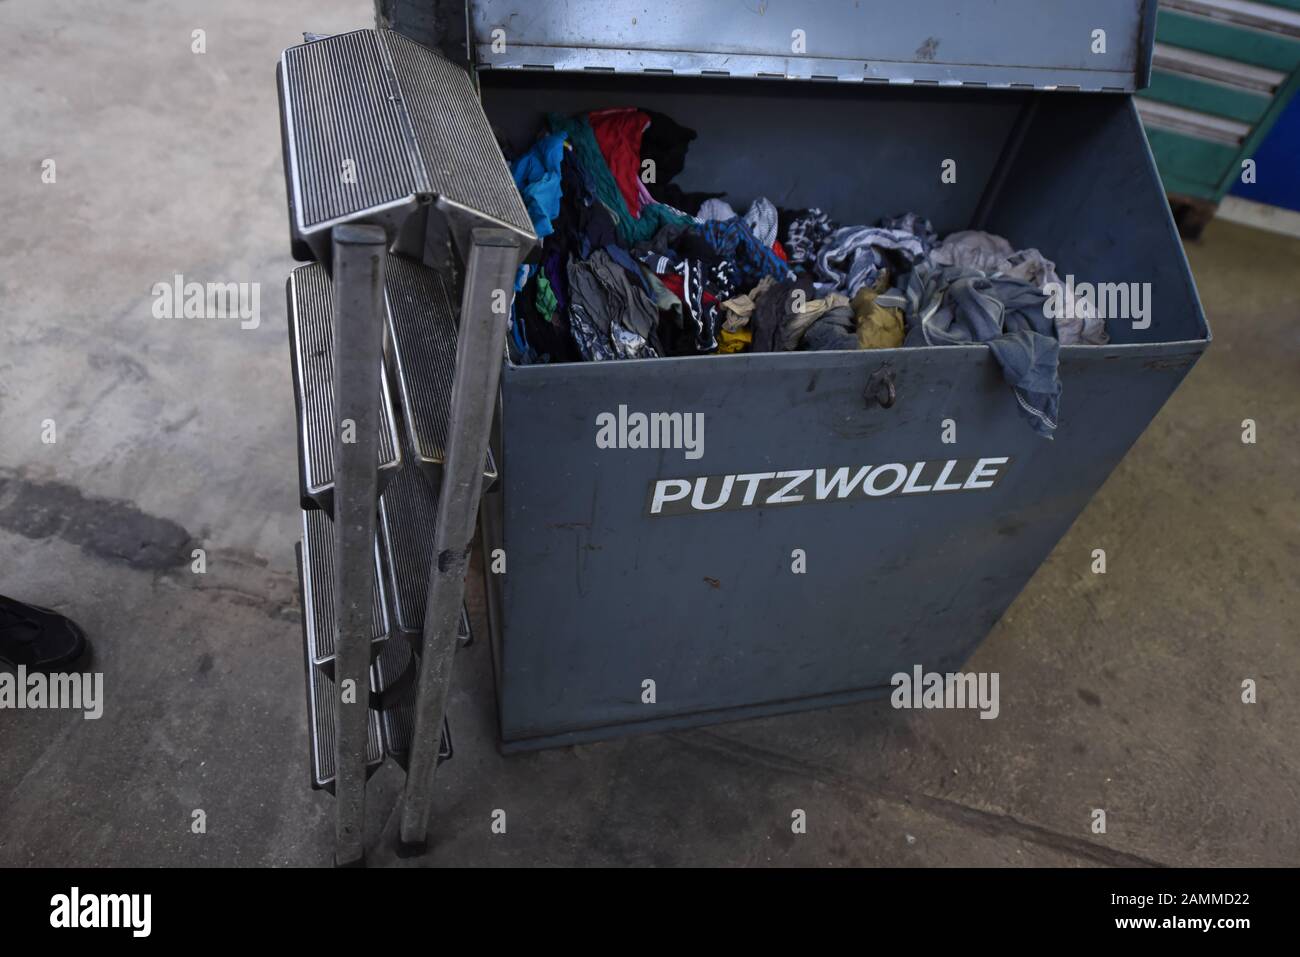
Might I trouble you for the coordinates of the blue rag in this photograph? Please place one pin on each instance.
(537, 175)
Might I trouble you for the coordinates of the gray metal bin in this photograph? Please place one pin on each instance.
(601, 592)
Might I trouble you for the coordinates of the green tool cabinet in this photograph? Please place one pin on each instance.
(1222, 73)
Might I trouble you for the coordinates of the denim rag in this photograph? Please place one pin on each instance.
(956, 305)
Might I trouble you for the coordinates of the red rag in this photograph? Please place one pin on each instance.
(618, 133)
(780, 251)
(672, 282)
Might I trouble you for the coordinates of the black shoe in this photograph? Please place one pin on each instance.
(40, 639)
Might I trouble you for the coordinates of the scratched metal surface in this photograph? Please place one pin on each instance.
(1036, 43)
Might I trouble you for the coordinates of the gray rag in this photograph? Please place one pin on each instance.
(611, 317)
(718, 209)
(836, 328)
(995, 257)
(813, 309)
(761, 218)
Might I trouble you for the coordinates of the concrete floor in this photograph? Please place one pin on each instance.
(175, 432)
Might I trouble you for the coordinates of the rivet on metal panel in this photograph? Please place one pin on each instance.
(880, 388)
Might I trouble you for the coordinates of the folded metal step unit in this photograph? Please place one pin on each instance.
(422, 339)
(378, 131)
(390, 723)
(311, 341)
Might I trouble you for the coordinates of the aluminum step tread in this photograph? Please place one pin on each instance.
(397, 721)
(407, 515)
(390, 727)
(322, 705)
(422, 331)
(311, 332)
(317, 582)
(376, 127)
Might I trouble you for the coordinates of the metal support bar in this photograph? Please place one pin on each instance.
(358, 356)
(489, 283)
(1006, 159)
